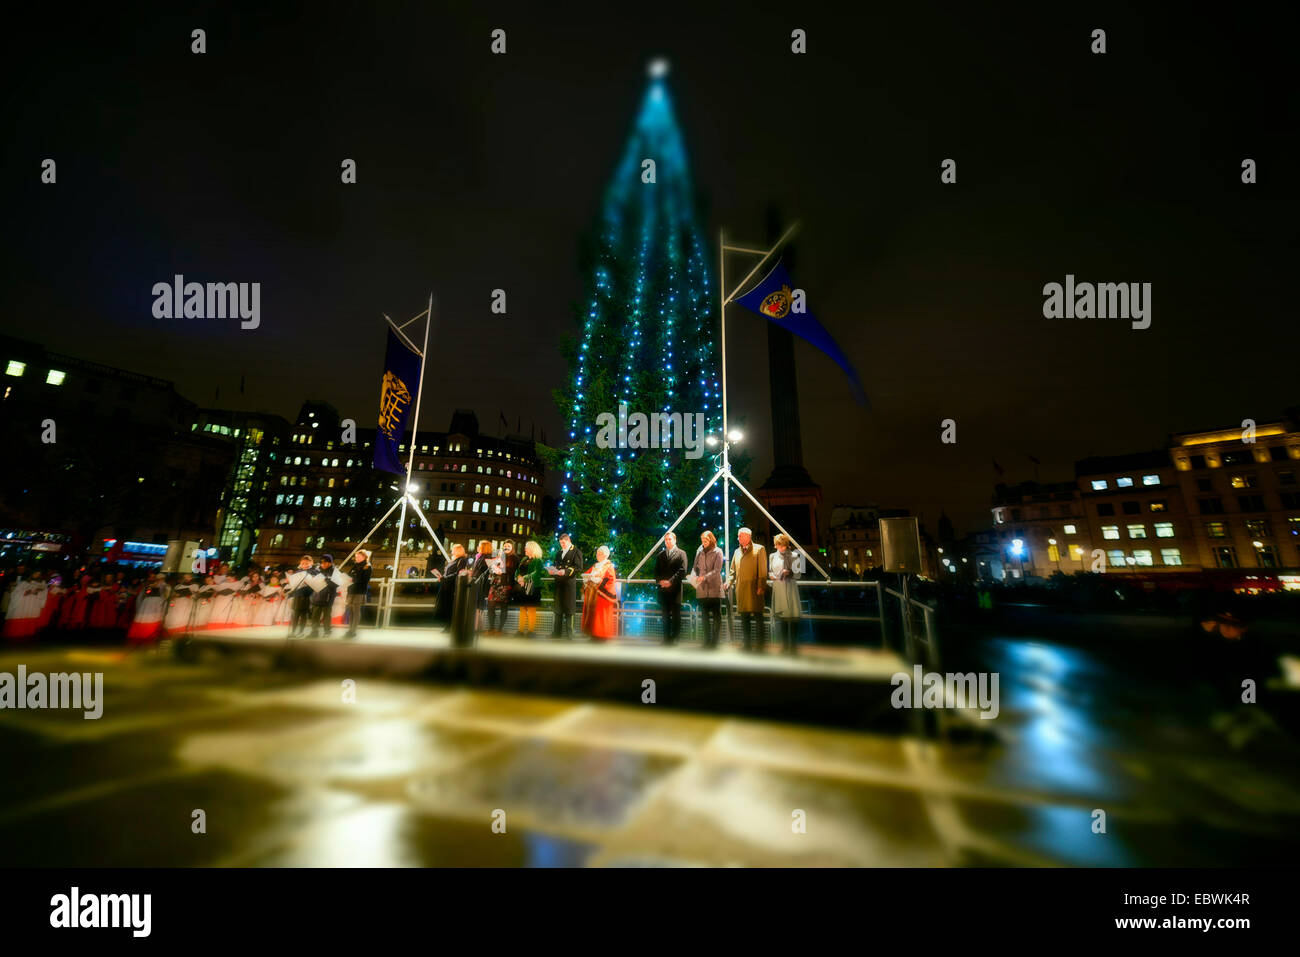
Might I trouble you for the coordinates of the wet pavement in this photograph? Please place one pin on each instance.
(289, 773)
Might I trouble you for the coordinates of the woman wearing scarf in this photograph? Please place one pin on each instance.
(600, 597)
(706, 577)
(784, 572)
(501, 588)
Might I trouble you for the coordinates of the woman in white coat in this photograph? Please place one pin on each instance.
(784, 569)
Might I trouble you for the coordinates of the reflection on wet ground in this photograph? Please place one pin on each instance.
(288, 772)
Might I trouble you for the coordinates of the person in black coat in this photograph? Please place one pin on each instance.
(300, 597)
(322, 602)
(358, 591)
(670, 572)
(569, 568)
(480, 571)
(447, 586)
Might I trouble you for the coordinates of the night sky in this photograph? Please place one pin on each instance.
(479, 171)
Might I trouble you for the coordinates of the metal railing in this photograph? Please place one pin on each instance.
(640, 616)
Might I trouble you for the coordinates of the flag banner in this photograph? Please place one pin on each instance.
(396, 400)
(773, 299)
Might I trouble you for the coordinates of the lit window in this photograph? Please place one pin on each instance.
(1164, 529)
(1053, 553)
(1070, 530)
(1171, 556)
(55, 377)
(15, 368)
(1098, 484)
(1076, 552)
(1137, 531)
(1216, 530)
(1142, 556)
(1117, 559)
(1159, 505)
(1151, 480)
(1110, 531)
(1125, 482)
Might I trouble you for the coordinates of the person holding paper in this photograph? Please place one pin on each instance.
(501, 588)
(447, 585)
(600, 598)
(300, 592)
(706, 578)
(670, 571)
(784, 570)
(322, 598)
(528, 587)
(565, 571)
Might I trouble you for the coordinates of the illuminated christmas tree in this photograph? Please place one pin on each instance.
(646, 339)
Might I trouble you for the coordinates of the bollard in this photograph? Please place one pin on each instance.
(462, 622)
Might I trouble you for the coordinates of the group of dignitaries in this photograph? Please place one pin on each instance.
(495, 580)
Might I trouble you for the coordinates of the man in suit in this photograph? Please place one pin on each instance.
(357, 592)
(568, 569)
(670, 571)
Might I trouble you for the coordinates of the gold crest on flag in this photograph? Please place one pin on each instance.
(777, 304)
(394, 397)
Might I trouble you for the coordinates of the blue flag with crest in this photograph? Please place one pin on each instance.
(773, 299)
(397, 392)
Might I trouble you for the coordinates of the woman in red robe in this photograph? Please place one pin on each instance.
(600, 598)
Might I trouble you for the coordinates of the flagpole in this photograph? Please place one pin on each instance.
(410, 459)
(726, 461)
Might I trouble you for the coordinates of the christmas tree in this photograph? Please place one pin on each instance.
(646, 339)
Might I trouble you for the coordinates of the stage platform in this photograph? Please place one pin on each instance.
(843, 687)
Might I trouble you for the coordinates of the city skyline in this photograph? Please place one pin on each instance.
(935, 291)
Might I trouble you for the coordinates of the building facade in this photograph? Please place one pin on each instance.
(1219, 499)
(327, 497)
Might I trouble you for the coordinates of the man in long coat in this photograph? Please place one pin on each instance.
(747, 574)
(568, 567)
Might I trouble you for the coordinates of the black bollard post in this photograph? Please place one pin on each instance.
(462, 623)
